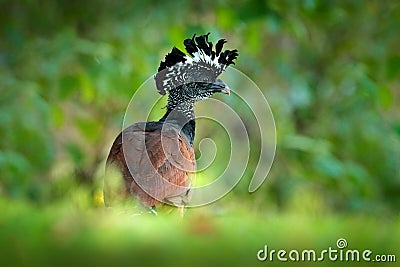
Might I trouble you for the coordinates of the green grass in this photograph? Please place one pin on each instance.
(62, 234)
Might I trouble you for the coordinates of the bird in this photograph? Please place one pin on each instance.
(157, 158)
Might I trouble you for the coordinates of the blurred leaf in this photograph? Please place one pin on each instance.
(397, 128)
(385, 97)
(76, 153)
(68, 84)
(14, 164)
(57, 115)
(393, 67)
(90, 128)
(87, 89)
(225, 18)
(330, 166)
(306, 144)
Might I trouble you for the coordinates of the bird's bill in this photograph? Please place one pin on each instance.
(220, 87)
(226, 91)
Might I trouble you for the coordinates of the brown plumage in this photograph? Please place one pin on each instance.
(159, 158)
(156, 159)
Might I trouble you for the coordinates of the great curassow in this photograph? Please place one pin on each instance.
(156, 158)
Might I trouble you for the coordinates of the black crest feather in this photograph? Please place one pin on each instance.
(203, 63)
(172, 58)
(190, 45)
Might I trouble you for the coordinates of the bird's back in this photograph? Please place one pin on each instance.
(155, 160)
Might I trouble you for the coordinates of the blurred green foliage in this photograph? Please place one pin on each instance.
(329, 69)
(65, 236)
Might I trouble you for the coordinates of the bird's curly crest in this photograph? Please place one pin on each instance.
(202, 63)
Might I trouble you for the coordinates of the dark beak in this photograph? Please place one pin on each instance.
(220, 87)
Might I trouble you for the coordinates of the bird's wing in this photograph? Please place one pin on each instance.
(114, 190)
(159, 160)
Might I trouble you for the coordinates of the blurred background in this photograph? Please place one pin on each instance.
(329, 69)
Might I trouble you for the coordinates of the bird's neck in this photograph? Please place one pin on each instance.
(183, 109)
(182, 115)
